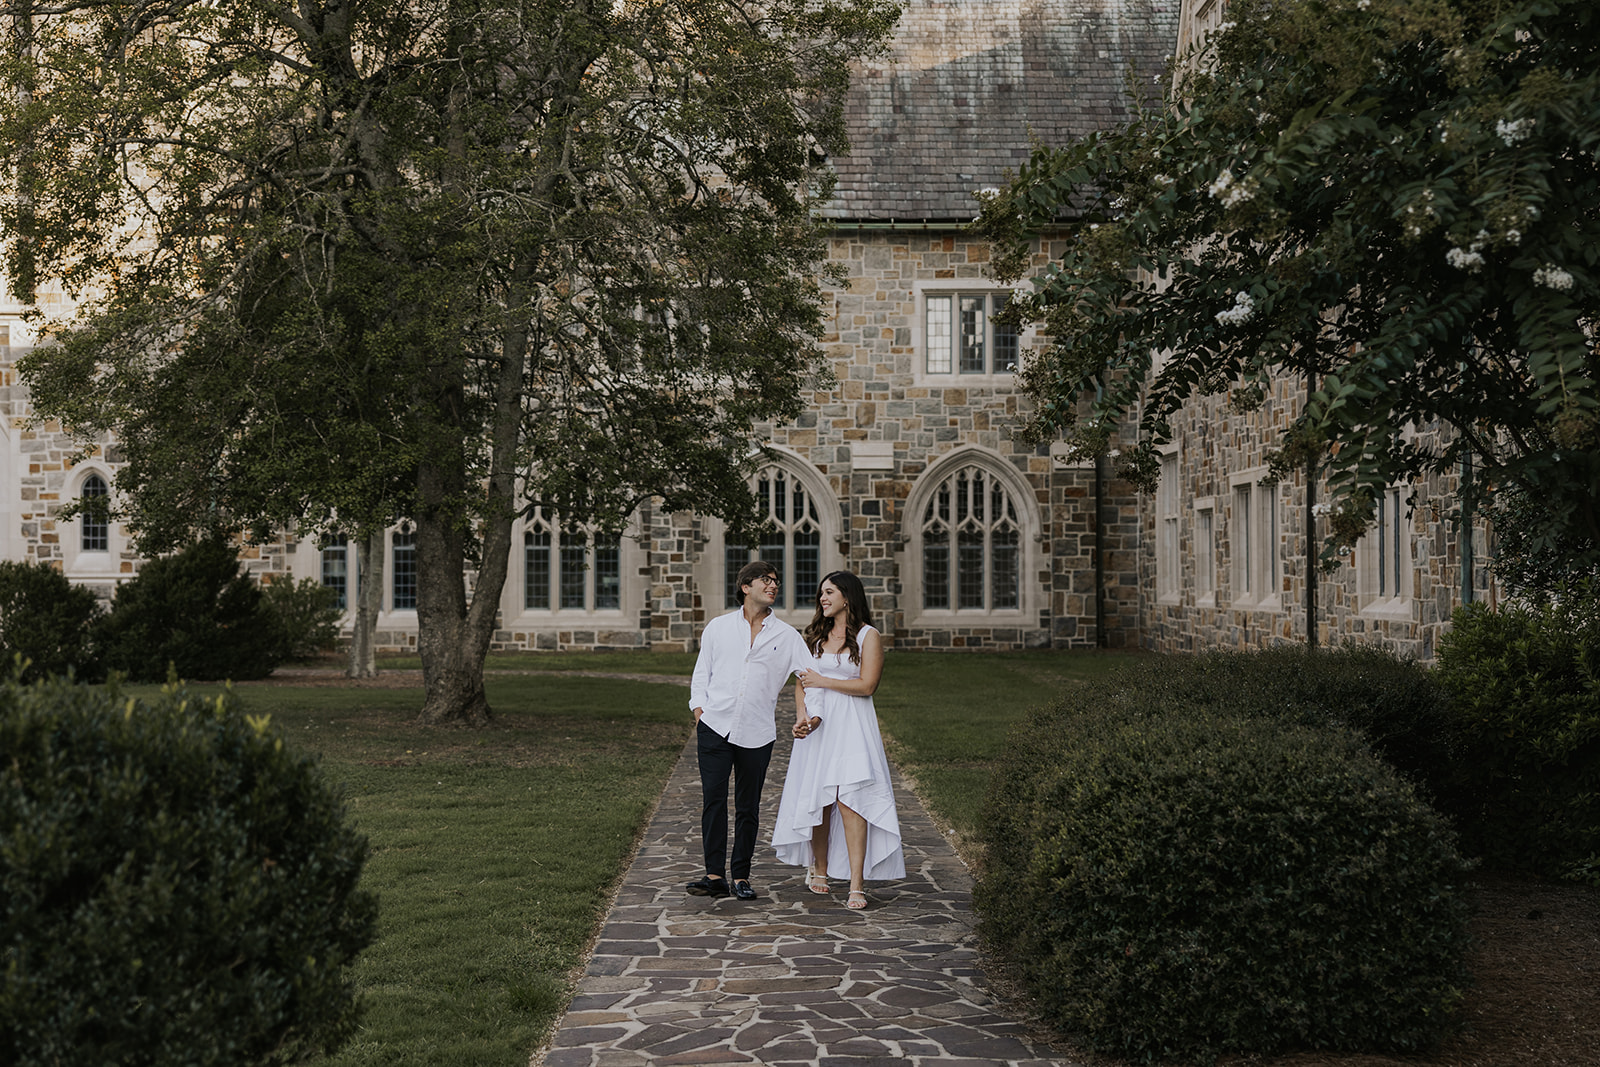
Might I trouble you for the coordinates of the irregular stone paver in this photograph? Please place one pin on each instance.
(792, 979)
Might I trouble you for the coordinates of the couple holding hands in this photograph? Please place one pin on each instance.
(837, 816)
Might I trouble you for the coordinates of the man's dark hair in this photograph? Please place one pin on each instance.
(759, 568)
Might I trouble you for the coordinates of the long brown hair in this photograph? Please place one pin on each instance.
(857, 615)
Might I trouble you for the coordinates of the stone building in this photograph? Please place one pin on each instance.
(906, 470)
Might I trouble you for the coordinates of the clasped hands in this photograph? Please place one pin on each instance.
(805, 726)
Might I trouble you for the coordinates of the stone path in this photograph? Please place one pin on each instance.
(793, 978)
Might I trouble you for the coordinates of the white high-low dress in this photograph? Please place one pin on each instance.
(841, 760)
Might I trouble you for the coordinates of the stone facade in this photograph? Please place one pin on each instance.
(906, 465)
(1397, 589)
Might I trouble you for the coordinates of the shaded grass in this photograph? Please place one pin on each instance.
(947, 717)
(622, 662)
(492, 850)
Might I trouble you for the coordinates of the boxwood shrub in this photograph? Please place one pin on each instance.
(47, 622)
(175, 886)
(1526, 685)
(193, 613)
(1172, 881)
(1396, 704)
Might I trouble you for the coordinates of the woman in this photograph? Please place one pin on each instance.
(836, 817)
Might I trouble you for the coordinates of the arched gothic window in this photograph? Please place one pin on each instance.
(570, 568)
(793, 544)
(971, 545)
(94, 526)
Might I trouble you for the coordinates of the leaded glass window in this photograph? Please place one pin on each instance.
(971, 545)
(792, 542)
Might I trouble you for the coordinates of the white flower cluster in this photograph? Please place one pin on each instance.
(1422, 206)
(1363, 4)
(1514, 131)
(1224, 27)
(1469, 259)
(1229, 191)
(1322, 509)
(1552, 277)
(1243, 308)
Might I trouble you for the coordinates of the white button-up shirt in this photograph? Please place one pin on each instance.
(736, 681)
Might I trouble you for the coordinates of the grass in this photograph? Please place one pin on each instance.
(493, 850)
(946, 717)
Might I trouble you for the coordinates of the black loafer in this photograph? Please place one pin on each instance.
(742, 890)
(709, 887)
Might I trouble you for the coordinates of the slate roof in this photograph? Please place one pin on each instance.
(969, 85)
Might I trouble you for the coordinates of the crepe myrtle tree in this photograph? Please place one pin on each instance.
(340, 262)
(1397, 201)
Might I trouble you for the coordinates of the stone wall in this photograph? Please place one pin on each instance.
(1214, 444)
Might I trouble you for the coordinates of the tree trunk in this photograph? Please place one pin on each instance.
(369, 602)
(453, 634)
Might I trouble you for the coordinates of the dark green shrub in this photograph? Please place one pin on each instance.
(307, 613)
(1526, 685)
(47, 621)
(1180, 882)
(196, 612)
(175, 886)
(1396, 704)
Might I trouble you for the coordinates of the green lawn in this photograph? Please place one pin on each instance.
(493, 850)
(946, 716)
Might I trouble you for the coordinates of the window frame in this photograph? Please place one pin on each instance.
(795, 605)
(78, 562)
(1254, 542)
(994, 299)
(1205, 552)
(1169, 528)
(568, 545)
(1385, 575)
(1024, 515)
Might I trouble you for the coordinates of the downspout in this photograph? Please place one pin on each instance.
(1465, 531)
(1100, 553)
(1311, 527)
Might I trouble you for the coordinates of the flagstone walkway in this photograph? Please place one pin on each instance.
(792, 979)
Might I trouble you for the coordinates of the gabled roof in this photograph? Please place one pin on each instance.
(968, 87)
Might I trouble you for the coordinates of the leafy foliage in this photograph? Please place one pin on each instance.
(175, 886)
(307, 613)
(47, 622)
(1393, 200)
(1525, 682)
(1178, 881)
(193, 613)
(343, 263)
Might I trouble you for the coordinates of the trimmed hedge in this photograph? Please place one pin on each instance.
(175, 886)
(47, 621)
(196, 613)
(1175, 881)
(1526, 687)
(1396, 704)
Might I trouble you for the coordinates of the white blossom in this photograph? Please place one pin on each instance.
(1552, 277)
(1462, 259)
(1514, 236)
(1243, 308)
(1363, 4)
(1514, 131)
(1231, 192)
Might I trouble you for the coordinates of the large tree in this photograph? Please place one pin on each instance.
(342, 261)
(1397, 201)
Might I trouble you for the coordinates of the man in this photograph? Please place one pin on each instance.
(745, 658)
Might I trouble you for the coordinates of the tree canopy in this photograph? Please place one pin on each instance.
(1398, 200)
(340, 262)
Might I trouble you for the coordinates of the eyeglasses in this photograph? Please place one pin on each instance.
(767, 579)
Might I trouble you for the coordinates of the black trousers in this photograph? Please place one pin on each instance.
(748, 767)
